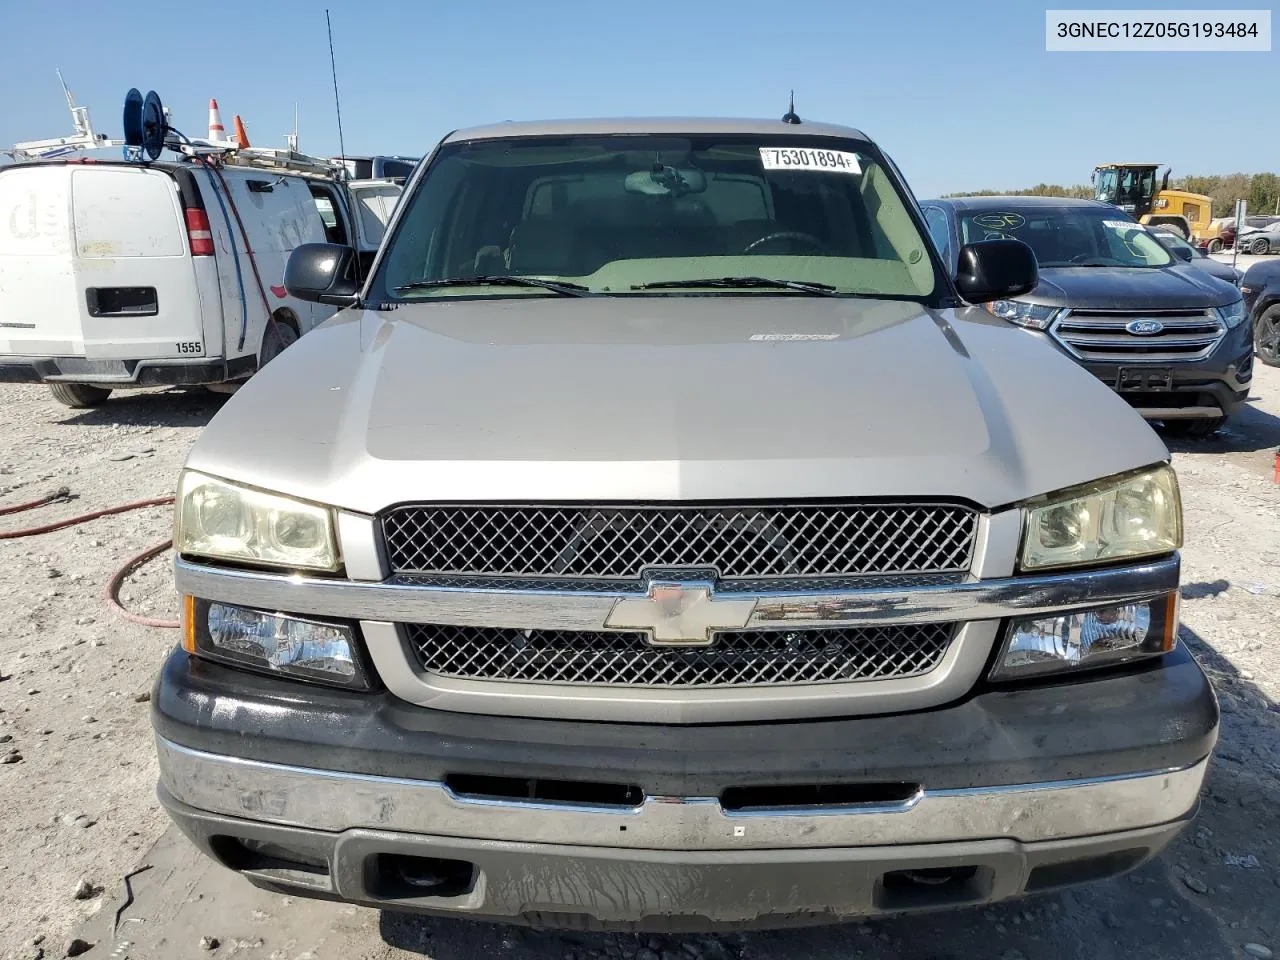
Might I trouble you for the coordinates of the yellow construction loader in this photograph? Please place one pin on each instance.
(1133, 188)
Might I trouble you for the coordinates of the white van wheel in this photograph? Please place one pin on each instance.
(79, 395)
(275, 339)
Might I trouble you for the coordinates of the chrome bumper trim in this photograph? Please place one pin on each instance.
(1178, 413)
(334, 801)
(535, 609)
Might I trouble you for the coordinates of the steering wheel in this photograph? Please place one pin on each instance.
(807, 239)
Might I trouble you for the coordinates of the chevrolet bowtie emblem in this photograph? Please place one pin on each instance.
(680, 614)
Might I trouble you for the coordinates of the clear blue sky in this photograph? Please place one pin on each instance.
(962, 95)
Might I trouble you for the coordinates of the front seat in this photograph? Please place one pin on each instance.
(544, 246)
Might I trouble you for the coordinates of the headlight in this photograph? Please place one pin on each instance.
(1086, 639)
(1033, 315)
(225, 521)
(274, 643)
(1232, 314)
(1133, 515)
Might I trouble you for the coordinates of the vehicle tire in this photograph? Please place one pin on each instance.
(1194, 429)
(1215, 245)
(275, 339)
(1266, 337)
(1259, 247)
(79, 396)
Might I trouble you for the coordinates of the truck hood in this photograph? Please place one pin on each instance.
(670, 398)
(1131, 288)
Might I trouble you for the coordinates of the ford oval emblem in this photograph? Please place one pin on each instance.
(1144, 328)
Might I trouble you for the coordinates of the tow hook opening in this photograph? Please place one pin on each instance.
(398, 876)
(931, 887)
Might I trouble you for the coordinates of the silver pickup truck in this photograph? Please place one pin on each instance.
(765, 582)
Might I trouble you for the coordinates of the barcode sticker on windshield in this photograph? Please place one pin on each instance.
(1122, 224)
(807, 158)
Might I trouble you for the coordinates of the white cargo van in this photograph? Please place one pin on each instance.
(117, 274)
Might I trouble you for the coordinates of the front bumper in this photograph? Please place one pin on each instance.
(1015, 790)
(1214, 386)
(1192, 391)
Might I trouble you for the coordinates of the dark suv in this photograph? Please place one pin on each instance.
(1261, 289)
(1170, 339)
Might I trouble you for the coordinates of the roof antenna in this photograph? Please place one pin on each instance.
(790, 116)
(337, 107)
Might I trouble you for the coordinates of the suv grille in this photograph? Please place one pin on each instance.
(734, 541)
(734, 658)
(1103, 335)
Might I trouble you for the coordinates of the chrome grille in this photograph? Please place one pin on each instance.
(621, 658)
(732, 541)
(1102, 335)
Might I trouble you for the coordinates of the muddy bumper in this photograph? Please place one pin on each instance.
(361, 798)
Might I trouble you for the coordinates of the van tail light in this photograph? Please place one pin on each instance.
(199, 233)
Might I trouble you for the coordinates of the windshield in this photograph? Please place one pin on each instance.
(1106, 185)
(1173, 241)
(374, 206)
(653, 215)
(1084, 236)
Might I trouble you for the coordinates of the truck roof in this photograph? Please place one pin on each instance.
(677, 125)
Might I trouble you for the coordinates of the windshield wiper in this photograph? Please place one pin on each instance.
(555, 286)
(813, 289)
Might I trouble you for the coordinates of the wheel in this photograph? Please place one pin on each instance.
(1215, 245)
(1194, 429)
(78, 396)
(1266, 337)
(275, 339)
(1259, 247)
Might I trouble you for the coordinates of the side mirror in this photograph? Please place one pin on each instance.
(996, 270)
(322, 273)
(1182, 253)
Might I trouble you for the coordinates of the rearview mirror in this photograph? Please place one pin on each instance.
(322, 273)
(996, 270)
(666, 181)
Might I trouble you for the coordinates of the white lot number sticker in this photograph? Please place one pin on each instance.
(1123, 225)
(807, 158)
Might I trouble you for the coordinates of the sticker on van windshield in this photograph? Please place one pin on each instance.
(806, 158)
(1122, 225)
(999, 221)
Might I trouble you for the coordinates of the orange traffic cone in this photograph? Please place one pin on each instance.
(242, 138)
(216, 130)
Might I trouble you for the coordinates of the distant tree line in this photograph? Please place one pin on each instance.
(1081, 191)
(1260, 190)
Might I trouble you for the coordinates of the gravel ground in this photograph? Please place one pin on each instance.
(80, 805)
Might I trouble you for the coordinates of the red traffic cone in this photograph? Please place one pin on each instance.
(216, 130)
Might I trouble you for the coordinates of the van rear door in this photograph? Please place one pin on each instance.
(137, 282)
(39, 315)
(105, 265)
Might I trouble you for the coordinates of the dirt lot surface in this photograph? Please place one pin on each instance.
(80, 812)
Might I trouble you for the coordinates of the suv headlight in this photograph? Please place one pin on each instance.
(1133, 515)
(1036, 316)
(225, 521)
(1232, 314)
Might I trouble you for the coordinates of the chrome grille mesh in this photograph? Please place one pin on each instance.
(755, 657)
(733, 541)
(1103, 335)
